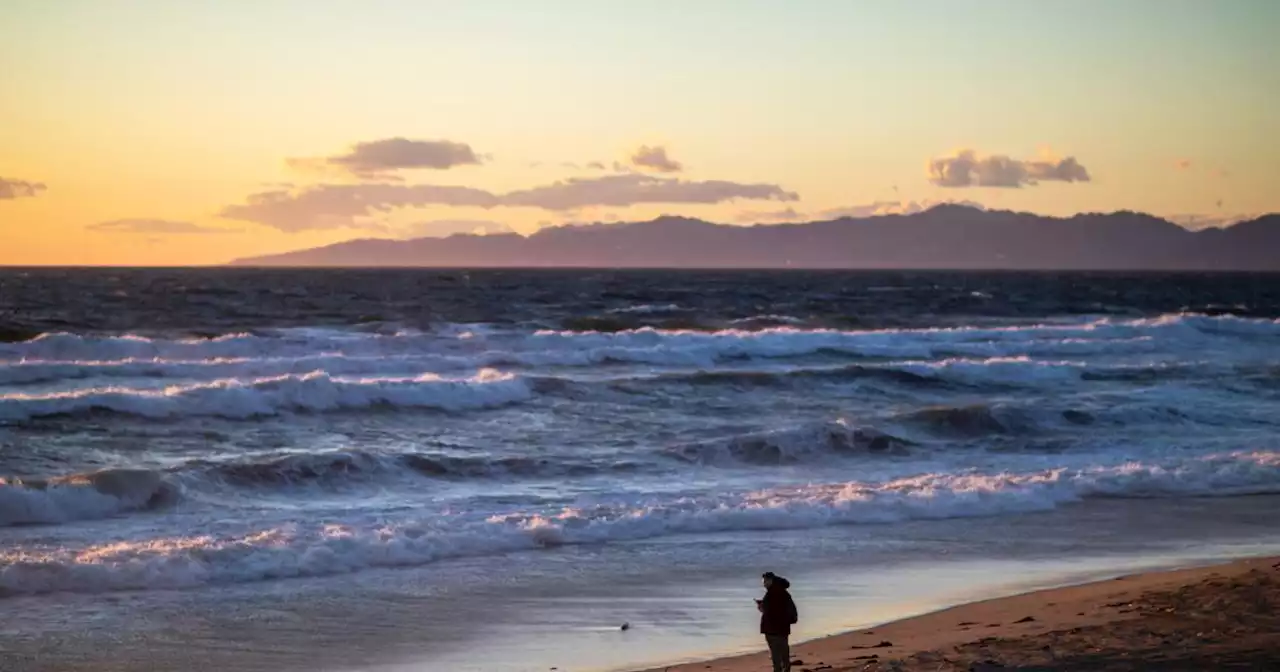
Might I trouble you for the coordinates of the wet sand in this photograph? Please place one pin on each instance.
(1221, 617)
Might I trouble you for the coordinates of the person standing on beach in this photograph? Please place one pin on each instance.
(777, 615)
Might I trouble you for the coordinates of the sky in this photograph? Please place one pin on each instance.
(188, 132)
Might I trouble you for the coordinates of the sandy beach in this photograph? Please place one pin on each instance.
(1223, 616)
(1220, 617)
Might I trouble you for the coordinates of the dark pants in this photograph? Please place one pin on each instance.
(780, 651)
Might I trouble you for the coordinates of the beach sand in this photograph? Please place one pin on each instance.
(1221, 617)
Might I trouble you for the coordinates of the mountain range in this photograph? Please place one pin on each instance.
(946, 236)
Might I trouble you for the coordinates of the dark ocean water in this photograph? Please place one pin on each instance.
(186, 428)
(199, 302)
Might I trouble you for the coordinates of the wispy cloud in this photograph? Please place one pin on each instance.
(11, 189)
(872, 209)
(335, 206)
(379, 159)
(330, 206)
(1211, 221)
(966, 168)
(442, 228)
(575, 165)
(1182, 164)
(155, 226)
(768, 216)
(655, 159)
(633, 189)
(877, 208)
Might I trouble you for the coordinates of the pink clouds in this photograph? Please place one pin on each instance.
(329, 206)
(154, 226)
(655, 159)
(11, 189)
(379, 159)
(966, 168)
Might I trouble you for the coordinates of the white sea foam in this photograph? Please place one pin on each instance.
(1096, 337)
(304, 549)
(61, 346)
(779, 319)
(233, 398)
(28, 372)
(648, 344)
(80, 497)
(1005, 370)
(39, 371)
(965, 371)
(647, 309)
(111, 492)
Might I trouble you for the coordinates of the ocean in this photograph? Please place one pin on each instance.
(494, 469)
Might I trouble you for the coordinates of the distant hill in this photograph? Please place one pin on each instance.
(946, 236)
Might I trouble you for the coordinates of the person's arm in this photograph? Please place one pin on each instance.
(769, 606)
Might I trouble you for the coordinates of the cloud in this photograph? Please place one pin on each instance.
(879, 208)
(873, 209)
(624, 190)
(967, 169)
(573, 165)
(1056, 170)
(768, 216)
(655, 159)
(11, 189)
(335, 206)
(376, 159)
(1213, 221)
(154, 226)
(1182, 164)
(443, 228)
(330, 206)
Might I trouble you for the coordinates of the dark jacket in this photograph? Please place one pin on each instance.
(777, 609)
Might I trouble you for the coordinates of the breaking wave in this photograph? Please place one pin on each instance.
(476, 347)
(314, 550)
(966, 421)
(303, 468)
(98, 494)
(111, 492)
(312, 392)
(995, 371)
(807, 443)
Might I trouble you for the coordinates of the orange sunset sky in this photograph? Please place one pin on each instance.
(180, 132)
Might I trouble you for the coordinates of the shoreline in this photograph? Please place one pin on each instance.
(280, 633)
(1207, 616)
